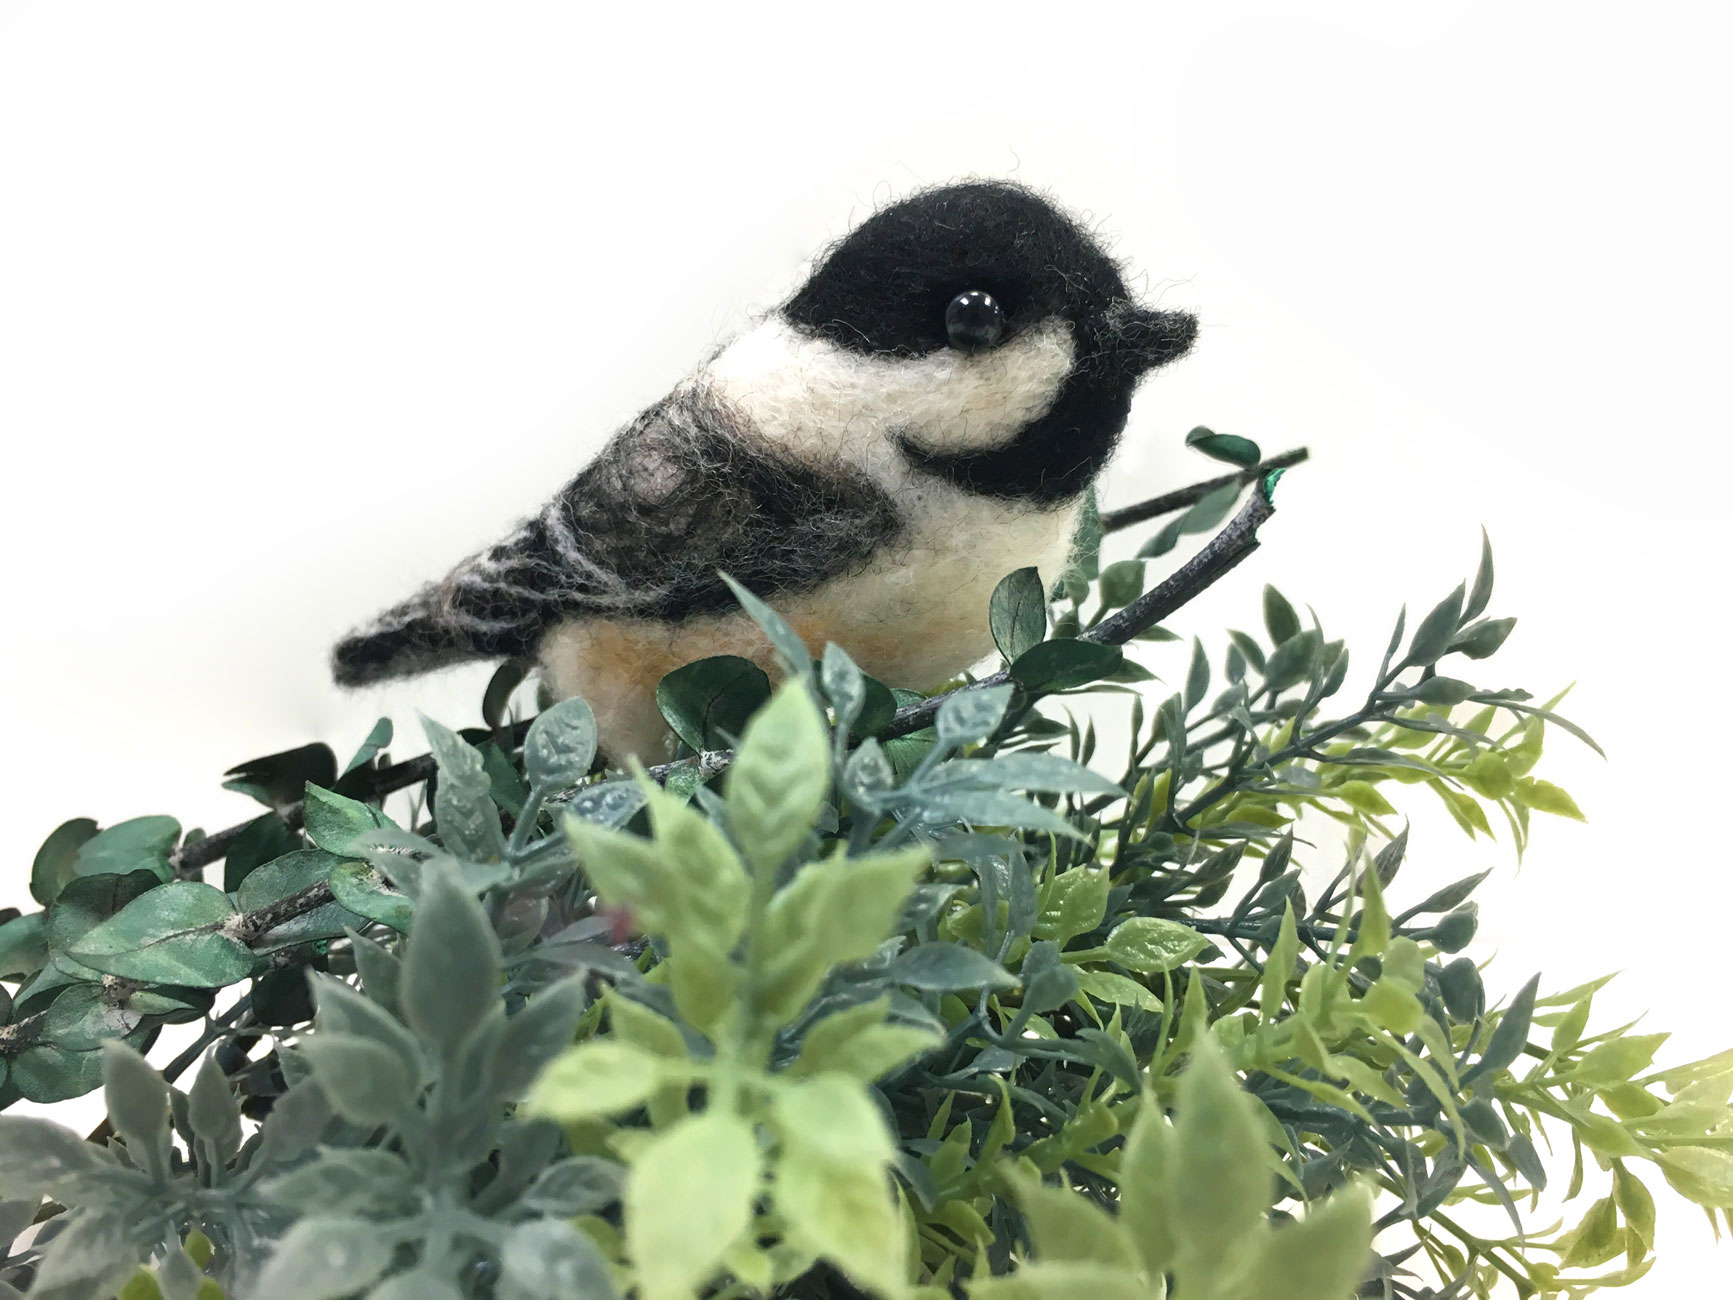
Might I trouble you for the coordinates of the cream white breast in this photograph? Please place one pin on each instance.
(916, 613)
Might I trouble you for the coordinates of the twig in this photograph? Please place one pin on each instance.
(1166, 504)
(1223, 551)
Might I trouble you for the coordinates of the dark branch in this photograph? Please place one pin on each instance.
(1171, 502)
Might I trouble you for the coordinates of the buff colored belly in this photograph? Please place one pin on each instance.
(916, 617)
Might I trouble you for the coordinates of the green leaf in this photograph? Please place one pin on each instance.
(1220, 1165)
(1619, 1060)
(1544, 796)
(1432, 638)
(1017, 613)
(1482, 639)
(780, 778)
(377, 740)
(1509, 1036)
(56, 861)
(1322, 1257)
(1210, 510)
(359, 1182)
(561, 745)
(1280, 620)
(857, 1043)
(463, 807)
(1084, 564)
(264, 839)
(707, 702)
(1224, 446)
(325, 1257)
(947, 967)
(1482, 592)
(1070, 1281)
(1076, 904)
(832, 912)
(598, 1079)
(1067, 1227)
(94, 1254)
(142, 844)
(23, 945)
(363, 890)
(1147, 944)
(1120, 583)
(335, 822)
(175, 934)
(830, 1183)
(688, 1199)
(277, 780)
(451, 965)
(1065, 665)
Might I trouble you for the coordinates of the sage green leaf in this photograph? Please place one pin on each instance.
(324, 1257)
(573, 1186)
(451, 965)
(1147, 944)
(214, 1114)
(780, 778)
(41, 1158)
(972, 715)
(707, 702)
(791, 651)
(542, 1029)
(546, 1259)
(561, 745)
(177, 933)
(335, 822)
(1065, 665)
(463, 807)
(95, 1252)
(136, 1098)
(1482, 590)
(1210, 510)
(946, 967)
(1017, 613)
(690, 1197)
(142, 844)
(1482, 639)
(365, 1182)
(366, 1082)
(56, 861)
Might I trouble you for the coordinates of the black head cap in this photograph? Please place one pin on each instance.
(892, 287)
(886, 287)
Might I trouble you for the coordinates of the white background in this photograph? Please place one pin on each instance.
(300, 303)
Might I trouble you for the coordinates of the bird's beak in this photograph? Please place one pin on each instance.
(1148, 338)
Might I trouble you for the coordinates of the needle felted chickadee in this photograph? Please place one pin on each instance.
(923, 416)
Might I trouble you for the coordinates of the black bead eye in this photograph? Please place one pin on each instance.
(974, 321)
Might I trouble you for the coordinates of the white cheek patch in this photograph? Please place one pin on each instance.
(822, 401)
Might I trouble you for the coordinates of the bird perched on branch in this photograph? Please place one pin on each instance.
(924, 415)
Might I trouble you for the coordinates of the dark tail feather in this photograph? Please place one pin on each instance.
(414, 637)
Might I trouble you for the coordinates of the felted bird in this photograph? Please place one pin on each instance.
(921, 417)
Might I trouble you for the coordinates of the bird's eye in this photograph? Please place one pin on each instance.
(974, 321)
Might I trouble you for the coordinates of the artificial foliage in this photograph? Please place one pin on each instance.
(865, 994)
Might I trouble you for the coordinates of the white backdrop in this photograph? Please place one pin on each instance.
(300, 303)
